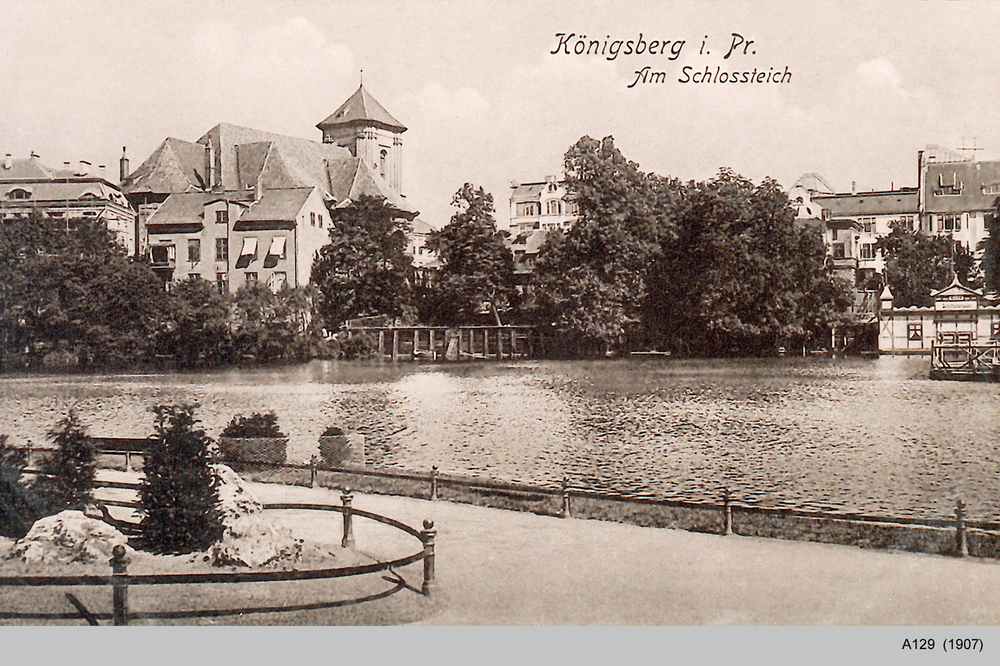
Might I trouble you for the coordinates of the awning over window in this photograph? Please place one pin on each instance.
(248, 253)
(277, 246)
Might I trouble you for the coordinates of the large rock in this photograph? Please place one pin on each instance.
(249, 538)
(68, 537)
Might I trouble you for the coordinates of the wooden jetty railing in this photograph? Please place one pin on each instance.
(968, 361)
(439, 343)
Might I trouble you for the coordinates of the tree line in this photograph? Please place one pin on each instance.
(711, 268)
(69, 295)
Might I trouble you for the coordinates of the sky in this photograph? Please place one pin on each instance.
(486, 100)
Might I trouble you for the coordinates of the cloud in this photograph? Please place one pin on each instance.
(436, 101)
(880, 73)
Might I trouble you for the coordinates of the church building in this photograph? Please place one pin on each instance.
(242, 205)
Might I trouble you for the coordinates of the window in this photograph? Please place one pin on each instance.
(951, 222)
(572, 208)
(995, 330)
(160, 255)
(867, 250)
(277, 281)
(914, 331)
(833, 234)
(382, 158)
(251, 278)
(992, 188)
(222, 282)
(194, 250)
(222, 217)
(19, 194)
(193, 276)
(319, 219)
(312, 219)
(222, 249)
(553, 207)
(868, 224)
(528, 209)
(838, 250)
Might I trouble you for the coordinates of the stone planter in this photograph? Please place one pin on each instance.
(342, 451)
(253, 449)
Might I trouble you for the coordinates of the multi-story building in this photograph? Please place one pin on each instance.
(242, 205)
(546, 205)
(957, 195)
(27, 186)
(870, 215)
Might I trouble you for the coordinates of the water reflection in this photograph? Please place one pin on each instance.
(849, 435)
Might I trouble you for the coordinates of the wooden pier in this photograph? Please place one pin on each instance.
(456, 343)
(968, 362)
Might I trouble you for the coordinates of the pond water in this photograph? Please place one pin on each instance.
(874, 436)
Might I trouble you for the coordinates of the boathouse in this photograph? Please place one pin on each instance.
(959, 316)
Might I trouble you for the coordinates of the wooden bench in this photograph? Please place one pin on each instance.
(121, 446)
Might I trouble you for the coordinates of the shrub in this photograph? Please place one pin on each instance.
(19, 506)
(256, 438)
(256, 425)
(69, 483)
(332, 431)
(179, 493)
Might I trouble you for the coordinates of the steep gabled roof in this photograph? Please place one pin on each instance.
(180, 209)
(362, 108)
(175, 166)
(352, 178)
(978, 182)
(276, 206)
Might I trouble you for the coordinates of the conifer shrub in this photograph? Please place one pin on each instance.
(68, 481)
(180, 491)
(19, 505)
(255, 439)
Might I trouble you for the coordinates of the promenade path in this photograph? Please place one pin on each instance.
(497, 567)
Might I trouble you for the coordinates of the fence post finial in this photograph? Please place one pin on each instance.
(119, 584)
(566, 509)
(434, 482)
(427, 536)
(348, 540)
(727, 519)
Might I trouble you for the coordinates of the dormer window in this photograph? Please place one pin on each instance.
(19, 194)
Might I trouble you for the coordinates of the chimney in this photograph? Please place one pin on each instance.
(514, 184)
(83, 169)
(123, 166)
(101, 171)
(210, 148)
(854, 187)
(8, 162)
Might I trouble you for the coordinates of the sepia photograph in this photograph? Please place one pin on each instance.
(672, 314)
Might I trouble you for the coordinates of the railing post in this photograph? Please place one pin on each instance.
(427, 536)
(348, 540)
(961, 546)
(727, 516)
(312, 472)
(434, 482)
(119, 586)
(27, 458)
(566, 509)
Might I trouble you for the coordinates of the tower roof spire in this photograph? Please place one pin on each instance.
(363, 109)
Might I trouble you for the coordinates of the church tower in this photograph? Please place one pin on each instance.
(364, 127)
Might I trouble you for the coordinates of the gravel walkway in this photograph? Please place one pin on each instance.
(498, 567)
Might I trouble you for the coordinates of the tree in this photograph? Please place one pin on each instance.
(591, 283)
(737, 277)
(179, 492)
(476, 266)
(197, 332)
(268, 326)
(917, 264)
(65, 285)
(69, 472)
(364, 269)
(19, 505)
(989, 247)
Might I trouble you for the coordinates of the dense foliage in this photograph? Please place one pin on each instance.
(711, 268)
(364, 269)
(19, 506)
(69, 471)
(477, 269)
(179, 491)
(917, 264)
(66, 289)
(255, 425)
(990, 248)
